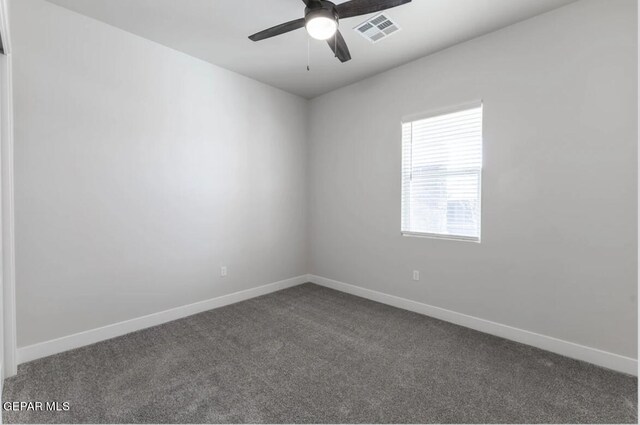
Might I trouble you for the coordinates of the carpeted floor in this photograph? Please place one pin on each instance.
(311, 354)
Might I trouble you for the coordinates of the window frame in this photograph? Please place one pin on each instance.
(432, 114)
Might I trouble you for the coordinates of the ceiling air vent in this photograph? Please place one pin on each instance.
(377, 28)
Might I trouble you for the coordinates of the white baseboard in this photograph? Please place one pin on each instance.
(565, 348)
(54, 346)
(569, 349)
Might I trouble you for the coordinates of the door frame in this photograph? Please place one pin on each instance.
(7, 229)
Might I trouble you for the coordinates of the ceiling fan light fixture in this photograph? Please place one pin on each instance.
(321, 19)
(321, 24)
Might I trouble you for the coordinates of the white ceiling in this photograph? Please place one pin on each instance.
(217, 30)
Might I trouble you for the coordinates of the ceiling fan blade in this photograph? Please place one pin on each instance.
(339, 47)
(364, 7)
(278, 29)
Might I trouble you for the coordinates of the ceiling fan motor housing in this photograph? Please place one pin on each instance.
(320, 9)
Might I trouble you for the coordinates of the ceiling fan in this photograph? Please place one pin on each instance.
(322, 17)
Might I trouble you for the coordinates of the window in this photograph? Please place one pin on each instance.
(441, 174)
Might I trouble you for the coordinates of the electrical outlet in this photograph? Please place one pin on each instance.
(223, 271)
(416, 275)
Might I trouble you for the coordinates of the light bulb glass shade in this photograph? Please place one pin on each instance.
(321, 26)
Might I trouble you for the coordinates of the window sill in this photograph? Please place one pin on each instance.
(437, 236)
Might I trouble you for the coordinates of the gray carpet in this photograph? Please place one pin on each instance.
(311, 354)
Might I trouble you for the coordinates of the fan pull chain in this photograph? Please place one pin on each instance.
(308, 55)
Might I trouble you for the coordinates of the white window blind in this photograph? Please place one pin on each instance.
(441, 175)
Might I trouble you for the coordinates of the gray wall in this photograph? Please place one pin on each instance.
(559, 249)
(139, 172)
